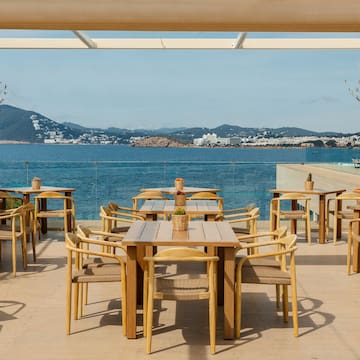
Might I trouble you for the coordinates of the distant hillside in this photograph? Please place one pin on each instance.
(22, 125)
(15, 124)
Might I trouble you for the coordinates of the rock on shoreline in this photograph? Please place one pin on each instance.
(157, 141)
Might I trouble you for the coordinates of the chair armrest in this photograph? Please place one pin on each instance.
(135, 216)
(101, 242)
(105, 233)
(97, 253)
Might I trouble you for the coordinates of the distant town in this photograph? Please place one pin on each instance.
(24, 126)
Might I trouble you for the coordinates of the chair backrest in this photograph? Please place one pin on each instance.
(286, 249)
(51, 195)
(348, 196)
(83, 231)
(301, 199)
(147, 195)
(180, 289)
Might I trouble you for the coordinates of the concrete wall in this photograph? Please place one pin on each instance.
(325, 177)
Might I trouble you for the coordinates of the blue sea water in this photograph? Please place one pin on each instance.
(101, 173)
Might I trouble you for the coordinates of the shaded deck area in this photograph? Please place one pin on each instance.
(32, 310)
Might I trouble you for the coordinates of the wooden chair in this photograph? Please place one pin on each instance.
(254, 237)
(244, 223)
(116, 221)
(114, 207)
(13, 232)
(147, 195)
(87, 262)
(353, 236)
(8, 201)
(276, 272)
(77, 274)
(338, 213)
(282, 209)
(180, 287)
(58, 206)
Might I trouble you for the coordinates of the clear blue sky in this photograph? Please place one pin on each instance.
(171, 88)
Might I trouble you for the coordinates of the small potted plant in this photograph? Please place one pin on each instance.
(180, 198)
(309, 183)
(180, 220)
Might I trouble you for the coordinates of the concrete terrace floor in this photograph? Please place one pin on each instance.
(32, 309)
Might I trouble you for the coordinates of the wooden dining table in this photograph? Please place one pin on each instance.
(27, 191)
(321, 194)
(207, 208)
(216, 236)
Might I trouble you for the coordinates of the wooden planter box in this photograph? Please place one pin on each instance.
(180, 222)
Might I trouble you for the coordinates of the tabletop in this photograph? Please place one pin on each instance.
(199, 233)
(309, 192)
(30, 190)
(185, 190)
(191, 207)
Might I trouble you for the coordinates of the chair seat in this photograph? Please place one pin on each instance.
(239, 230)
(53, 213)
(120, 229)
(293, 214)
(5, 234)
(109, 273)
(182, 287)
(264, 275)
(259, 262)
(100, 261)
(345, 214)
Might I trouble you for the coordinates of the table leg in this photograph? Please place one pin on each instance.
(26, 200)
(229, 292)
(338, 232)
(273, 213)
(212, 251)
(68, 206)
(131, 291)
(43, 221)
(322, 219)
(356, 247)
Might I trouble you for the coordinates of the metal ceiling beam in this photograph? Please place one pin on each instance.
(175, 44)
(183, 15)
(85, 39)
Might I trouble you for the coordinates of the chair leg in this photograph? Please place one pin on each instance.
(277, 287)
(212, 321)
(13, 250)
(68, 299)
(308, 230)
(145, 300)
(285, 303)
(149, 320)
(238, 308)
(33, 242)
(349, 251)
(76, 301)
(335, 229)
(86, 293)
(294, 309)
(24, 250)
(81, 299)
